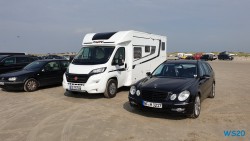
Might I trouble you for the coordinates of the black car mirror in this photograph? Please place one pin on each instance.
(149, 74)
(205, 77)
(1, 63)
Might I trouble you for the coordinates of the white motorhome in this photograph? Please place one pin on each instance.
(108, 61)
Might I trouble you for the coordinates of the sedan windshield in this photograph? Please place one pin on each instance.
(36, 65)
(93, 55)
(176, 70)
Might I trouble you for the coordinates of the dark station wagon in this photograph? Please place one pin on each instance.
(10, 63)
(175, 86)
(36, 74)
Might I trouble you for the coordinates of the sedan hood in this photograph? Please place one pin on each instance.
(166, 84)
(16, 73)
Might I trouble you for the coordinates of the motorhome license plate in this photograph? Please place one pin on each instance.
(152, 104)
(1, 83)
(75, 87)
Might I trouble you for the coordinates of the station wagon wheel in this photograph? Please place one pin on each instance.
(111, 89)
(196, 108)
(30, 85)
(212, 93)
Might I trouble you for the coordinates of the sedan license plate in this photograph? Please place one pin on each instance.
(152, 104)
(1, 83)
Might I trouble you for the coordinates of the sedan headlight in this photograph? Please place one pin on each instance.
(132, 90)
(138, 92)
(99, 70)
(173, 97)
(12, 79)
(183, 95)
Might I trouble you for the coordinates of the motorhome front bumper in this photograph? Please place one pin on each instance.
(94, 84)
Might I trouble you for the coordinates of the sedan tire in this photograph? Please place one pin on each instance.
(212, 93)
(30, 85)
(196, 108)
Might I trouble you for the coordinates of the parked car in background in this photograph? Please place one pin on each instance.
(54, 57)
(12, 53)
(214, 57)
(10, 63)
(36, 74)
(190, 58)
(207, 57)
(175, 86)
(197, 55)
(225, 56)
(69, 57)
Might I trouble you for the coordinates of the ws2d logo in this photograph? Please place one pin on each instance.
(234, 133)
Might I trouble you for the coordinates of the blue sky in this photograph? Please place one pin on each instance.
(54, 26)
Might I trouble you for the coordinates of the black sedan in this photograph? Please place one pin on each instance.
(175, 86)
(36, 74)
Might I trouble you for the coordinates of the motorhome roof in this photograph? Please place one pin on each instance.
(115, 37)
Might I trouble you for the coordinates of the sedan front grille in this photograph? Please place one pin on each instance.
(77, 78)
(154, 96)
(3, 79)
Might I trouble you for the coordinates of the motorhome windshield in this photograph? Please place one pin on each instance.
(93, 55)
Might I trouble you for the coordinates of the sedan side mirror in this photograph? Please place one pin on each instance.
(205, 77)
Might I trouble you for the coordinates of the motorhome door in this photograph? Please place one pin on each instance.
(119, 66)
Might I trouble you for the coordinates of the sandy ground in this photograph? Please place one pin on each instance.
(50, 114)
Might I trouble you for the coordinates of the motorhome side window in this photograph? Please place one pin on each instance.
(163, 46)
(147, 48)
(153, 49)
(119, 57)
(137, 52)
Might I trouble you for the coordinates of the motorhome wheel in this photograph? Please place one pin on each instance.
(111, 89)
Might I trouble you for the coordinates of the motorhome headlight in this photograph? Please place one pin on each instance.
(99, 70)
(183, 95)
(12, 79)
(138, 92)
(132, 90)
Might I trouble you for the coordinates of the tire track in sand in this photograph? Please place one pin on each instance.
(22, 111)
(32, 136)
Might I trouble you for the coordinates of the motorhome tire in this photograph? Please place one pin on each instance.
(111, 89)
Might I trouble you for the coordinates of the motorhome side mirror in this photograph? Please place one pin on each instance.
(120, 62)
(148, 73)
